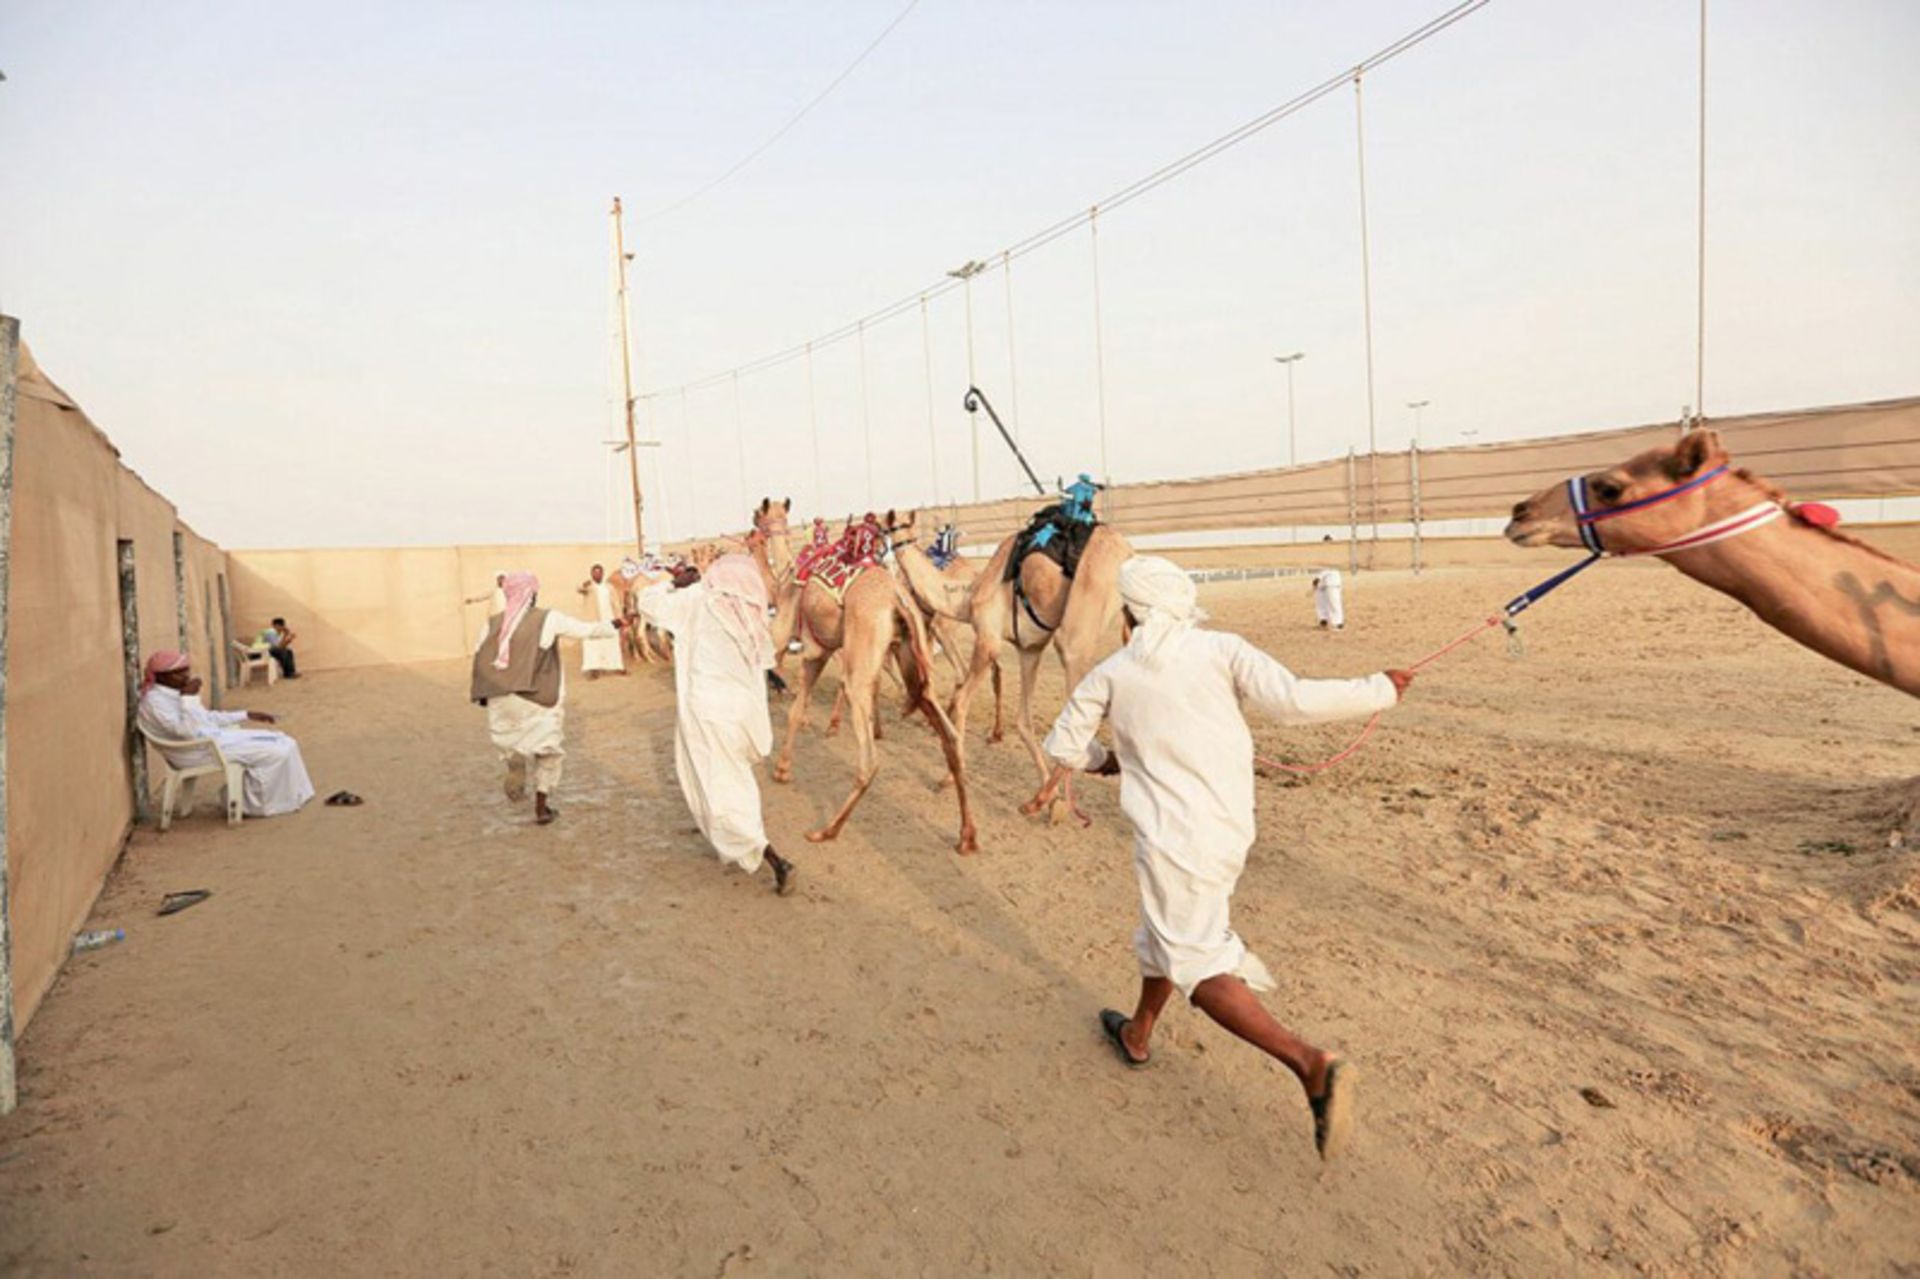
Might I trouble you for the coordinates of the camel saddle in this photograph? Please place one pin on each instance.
(1054, 533)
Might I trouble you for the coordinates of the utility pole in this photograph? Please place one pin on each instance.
(620, 259)
(965, 274)
(1293, 439)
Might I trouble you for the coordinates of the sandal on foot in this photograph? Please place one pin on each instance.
(785, 874)
(546, 818)
(1333, 1110)
(1113, 1023)
(344, 799)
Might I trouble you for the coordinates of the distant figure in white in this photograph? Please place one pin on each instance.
(1175, 698)
(722, 651)
(275, 780)
(517, 676)
(1326, 600)
(597, 655)
(495, 599)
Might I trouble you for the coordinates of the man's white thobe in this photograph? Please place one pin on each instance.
(526, 733)
(722, 728)
(1186, 781)
(275, 779)
(1326, 598)
(602, 654)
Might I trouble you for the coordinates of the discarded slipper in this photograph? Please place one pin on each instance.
(1333, 1110)
(174, 903)
(1113, 1023)
(344, 799)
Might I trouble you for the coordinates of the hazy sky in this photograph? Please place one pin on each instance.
(339, 274)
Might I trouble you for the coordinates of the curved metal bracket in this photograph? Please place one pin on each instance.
(975, 400)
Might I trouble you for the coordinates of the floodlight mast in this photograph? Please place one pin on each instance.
(620, 259)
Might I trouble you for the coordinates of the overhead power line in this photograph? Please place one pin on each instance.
(788, 127)
(1124, 195)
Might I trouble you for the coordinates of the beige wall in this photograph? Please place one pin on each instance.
(70, 800)
(371, 607)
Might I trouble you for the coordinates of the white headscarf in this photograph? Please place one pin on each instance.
(1163, 601)
(737, 593)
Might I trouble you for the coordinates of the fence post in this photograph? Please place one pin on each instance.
(130, 659)
(9, 361)
(1353, 514)
(1413, 475)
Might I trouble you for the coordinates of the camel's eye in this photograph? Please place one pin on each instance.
(1607, 490)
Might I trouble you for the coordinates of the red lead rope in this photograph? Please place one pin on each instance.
(1374, 723)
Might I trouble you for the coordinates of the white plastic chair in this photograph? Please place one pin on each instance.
(255, 659)
(176, 795)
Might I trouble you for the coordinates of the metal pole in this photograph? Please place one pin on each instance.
(686, 434)
(180, 589)
(1013, 373)
(1353, 513)
(966, 285)
(9, 353)
(1293, 436)
(933, 438)
(626, 379)
(1413, 476)
(1700, 305)
(866, 415)
(1366, 303)
(1099, 345)
(813, 425)
(740, 442)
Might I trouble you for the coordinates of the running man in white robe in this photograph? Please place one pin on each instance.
(1326, 600)
(1184, 756)
(517, 676)
(275, 779)
(722, 651)
(597, 655)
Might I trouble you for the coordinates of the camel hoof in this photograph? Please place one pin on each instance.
(783, 775)
(969, 844)
(821, 836)
(1058, 812)
(1031, 808)
(996, 737)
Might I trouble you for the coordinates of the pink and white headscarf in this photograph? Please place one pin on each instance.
(737, 592)
(521, 587)
(162, 661)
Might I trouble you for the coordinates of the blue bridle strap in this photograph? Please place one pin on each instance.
(1521, 603)
(1577, 496)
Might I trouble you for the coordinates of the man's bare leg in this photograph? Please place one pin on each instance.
(1154, 993)
(1232, 1003)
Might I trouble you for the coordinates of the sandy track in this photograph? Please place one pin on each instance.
(1648, 859)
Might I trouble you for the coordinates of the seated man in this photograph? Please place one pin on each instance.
(276, 779)
(278, 641)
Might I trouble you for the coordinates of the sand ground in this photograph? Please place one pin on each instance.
(1650, 859)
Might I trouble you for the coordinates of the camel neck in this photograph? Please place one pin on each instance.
(1839, 598)
(934, 589)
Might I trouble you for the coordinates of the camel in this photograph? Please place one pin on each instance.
(1071, 615)
(1830, 592)
(863, 629)
(1790, 567)
(945, 597)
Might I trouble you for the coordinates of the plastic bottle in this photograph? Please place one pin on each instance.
(98, 938)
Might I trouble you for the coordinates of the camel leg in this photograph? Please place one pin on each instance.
(999, 732)
(796, 714)
(839, 705)
(859, 691)
(1023, 717)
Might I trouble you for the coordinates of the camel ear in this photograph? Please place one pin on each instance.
(787, 505)
(1696, 451)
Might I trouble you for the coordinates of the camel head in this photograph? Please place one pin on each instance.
(770, 517)
(906, 529)
(1547, 518)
